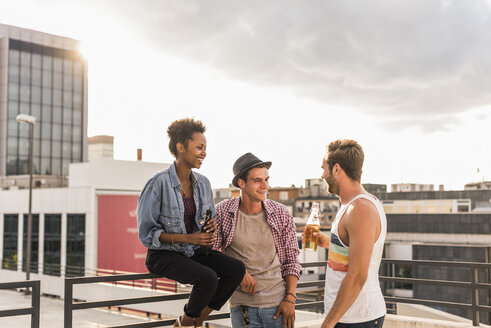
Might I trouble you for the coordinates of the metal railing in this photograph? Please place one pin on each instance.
(473, 286)
(69, 306)
(34, 310)
(57, 270)
(156, 283)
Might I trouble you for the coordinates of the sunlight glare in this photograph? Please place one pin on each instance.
(85, 50)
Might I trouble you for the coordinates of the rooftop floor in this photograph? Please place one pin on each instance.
(52, 313)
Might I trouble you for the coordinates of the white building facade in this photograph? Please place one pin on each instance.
(89, 225)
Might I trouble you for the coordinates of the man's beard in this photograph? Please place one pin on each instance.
(333, 186)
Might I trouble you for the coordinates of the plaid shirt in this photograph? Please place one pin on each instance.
(282, 226)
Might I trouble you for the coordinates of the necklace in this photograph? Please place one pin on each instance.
(184, 188)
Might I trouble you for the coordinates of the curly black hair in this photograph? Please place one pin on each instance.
(182, 131)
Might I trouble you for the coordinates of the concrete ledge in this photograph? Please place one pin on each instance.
(426, 312)
(400, 321)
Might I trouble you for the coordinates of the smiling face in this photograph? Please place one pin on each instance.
(194, 153)
(256, 187)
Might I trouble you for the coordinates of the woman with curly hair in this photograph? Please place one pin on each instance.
(171, 209)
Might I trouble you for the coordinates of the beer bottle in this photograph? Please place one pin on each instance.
(205, 250)
(313, 225)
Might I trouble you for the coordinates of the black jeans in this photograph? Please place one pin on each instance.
(214, 277)
(377, 323)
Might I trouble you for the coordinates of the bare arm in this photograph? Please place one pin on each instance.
(196, 238)
(287, 306)
(362, 226)
(291, 286)
(248, 284)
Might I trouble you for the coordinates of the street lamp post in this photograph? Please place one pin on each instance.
(22, 118)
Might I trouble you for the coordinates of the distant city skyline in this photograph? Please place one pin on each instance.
(408, 80)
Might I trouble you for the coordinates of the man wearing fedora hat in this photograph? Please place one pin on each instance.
(261, 233)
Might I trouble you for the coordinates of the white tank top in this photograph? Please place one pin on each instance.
(370, 303)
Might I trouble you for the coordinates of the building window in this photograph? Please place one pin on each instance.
(41, 81)
(10, 236)
(52, 244)
(34, 243)
(402, 271)
(75, 248)
(463, 206)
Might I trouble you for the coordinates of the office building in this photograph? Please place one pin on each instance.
(438, 226)
(406, 187)
(478, 185)
(44, 76)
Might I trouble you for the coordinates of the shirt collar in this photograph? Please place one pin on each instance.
(270, 217)
(268, 207)
(175, 180)
(234, 205)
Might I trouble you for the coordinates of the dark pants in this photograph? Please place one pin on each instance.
(214, 277)
(377, 323)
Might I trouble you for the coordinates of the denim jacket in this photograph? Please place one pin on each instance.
(161, 208)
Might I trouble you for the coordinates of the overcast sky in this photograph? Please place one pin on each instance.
(410, 80)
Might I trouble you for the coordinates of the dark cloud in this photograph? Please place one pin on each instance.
(408, 59)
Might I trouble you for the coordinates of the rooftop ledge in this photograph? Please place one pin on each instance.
(400, 321)
(412, 316)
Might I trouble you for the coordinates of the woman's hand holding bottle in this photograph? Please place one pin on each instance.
(200, 238)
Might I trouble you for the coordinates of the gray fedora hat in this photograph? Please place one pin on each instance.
(244, 163)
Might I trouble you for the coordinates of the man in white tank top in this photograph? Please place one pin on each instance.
(352, 296)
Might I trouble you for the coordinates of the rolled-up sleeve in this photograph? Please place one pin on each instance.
(148, 211)
(217, 241)
(291, 264)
